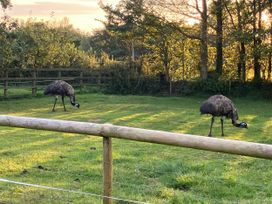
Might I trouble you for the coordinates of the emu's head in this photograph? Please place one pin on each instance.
(234, 118)
(241, 125)
(73, 101)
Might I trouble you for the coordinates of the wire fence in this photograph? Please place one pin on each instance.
(48, 167)
(47, 182)
(68, 191)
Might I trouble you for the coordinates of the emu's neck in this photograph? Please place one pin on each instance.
(73, 100)
(234, 122)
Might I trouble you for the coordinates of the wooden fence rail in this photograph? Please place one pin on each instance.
(108, 131)
(38, 75)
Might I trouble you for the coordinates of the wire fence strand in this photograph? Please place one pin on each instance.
(69, 191)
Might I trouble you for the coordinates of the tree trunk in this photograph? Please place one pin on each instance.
(165, 59)
(241, 65)
(270, 52)
(269, 66)
(183, 61)
(242, 53)
(256, 41)
(219, 37)
(203, 42)
(242, 58)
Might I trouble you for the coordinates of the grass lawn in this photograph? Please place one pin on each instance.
(142, 171)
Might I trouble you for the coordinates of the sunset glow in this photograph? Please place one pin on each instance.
(83, 14)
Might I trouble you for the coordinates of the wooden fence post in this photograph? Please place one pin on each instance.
(107, 170)
(34, 84)
(99, 79)
(81, 80)
(6, 84)
(59, 74)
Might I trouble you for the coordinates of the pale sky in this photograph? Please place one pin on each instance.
(81, 13)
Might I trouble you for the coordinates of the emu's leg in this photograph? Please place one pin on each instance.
(56, 98)
(222, 125)
(62, 98)
(212, 121)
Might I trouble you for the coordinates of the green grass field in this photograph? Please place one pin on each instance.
(142, 171)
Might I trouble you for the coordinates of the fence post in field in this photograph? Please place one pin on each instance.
(34, 84)
(6, 84)
(81, 80)
(107, 170)
(59, 74)
(99, 79)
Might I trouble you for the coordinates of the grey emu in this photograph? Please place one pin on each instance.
(61, 88)
(219, 105)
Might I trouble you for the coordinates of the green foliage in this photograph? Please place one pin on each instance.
(164, 42)
(124, 82)
(159, 41)
(7, 25)
(41, 44)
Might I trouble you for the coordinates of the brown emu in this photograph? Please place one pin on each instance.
(221, 106)
(61, 88)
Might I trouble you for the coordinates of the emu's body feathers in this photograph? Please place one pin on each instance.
(61, 88)
(219, 105)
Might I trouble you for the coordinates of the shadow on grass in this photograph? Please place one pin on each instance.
(142, 170)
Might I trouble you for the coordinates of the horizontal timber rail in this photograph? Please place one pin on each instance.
(36, 78)
(143, 135)
(78, 77)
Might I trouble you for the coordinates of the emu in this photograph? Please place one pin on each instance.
(221, 106)
(61, 88)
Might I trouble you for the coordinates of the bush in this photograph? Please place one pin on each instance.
(123, 81)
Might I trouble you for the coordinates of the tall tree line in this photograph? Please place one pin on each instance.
(227, 39)
(180, 39)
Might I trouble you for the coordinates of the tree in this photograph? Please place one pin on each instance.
(270, 43)
(256, 39)
(7, 25)
(41, 44)
(203, 41)
(184, 9)
(241, 65)
(240, 19)
(5, 3)
(258, 35)
(219, 35)
(123, 24)
(164, 44)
